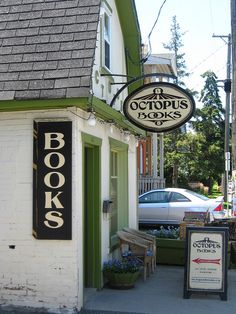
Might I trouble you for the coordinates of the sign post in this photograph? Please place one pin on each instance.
(206, 261)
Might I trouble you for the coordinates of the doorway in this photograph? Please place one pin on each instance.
(92, 216)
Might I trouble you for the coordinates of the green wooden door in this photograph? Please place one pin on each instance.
(92, 217)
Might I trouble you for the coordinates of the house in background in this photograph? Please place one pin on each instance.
(151, 148)
(66, 155)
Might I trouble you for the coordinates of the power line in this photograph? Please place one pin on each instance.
(150, 33)
(208, 57)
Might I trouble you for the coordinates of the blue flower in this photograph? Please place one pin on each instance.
(126, 265)
(169, 232)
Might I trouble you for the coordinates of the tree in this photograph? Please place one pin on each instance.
(199, 154)
(174, 45)
(173, 157)
(209, 124)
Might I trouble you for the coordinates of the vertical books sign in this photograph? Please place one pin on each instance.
(206, 261)
(52, 168)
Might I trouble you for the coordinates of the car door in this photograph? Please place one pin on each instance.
(153, 207)
(178, 204)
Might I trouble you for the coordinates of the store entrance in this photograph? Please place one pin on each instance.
(92, 221)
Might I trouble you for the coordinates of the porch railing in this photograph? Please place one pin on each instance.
(147, 183)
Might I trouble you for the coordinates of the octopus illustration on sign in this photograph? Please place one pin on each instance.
(159, 107)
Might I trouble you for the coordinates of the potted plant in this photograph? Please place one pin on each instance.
(168, 232)
(122, 274)
(170, 248)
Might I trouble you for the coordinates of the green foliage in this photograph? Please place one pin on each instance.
(175, 150)
(212, 113)
(209, 125)
(199, 155)
(174, 45)
(174, 166)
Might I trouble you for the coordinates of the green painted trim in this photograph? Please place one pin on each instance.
(117, 145)
(123, 196)
(24, 105)
(90, 139)
(102, 109)
(108, 113)
(93, 144)
(132, 38)
(123, 190)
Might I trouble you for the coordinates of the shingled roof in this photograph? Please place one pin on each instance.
(47, 48)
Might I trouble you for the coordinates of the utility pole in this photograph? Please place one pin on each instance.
(233, 33)
(227, 89)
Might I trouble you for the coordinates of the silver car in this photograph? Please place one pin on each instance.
(168, 206)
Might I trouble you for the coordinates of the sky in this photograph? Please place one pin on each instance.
(199, 20)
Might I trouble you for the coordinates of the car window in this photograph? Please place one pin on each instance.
(178, 197)
(202, 197)
(154, 197)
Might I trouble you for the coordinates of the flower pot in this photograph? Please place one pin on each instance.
(170, 251)
(121, 280)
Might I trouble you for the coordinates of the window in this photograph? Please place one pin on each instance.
(155, 197)
(177, 197)
(202, 197)
(114, 192)
(105, 30)
(107, 40)
(118, 189)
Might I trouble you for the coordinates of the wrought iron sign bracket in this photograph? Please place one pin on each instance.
(133, 80)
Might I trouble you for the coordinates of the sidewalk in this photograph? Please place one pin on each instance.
(162, 292)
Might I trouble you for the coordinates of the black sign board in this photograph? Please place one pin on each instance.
(52, 173)
(206, 261)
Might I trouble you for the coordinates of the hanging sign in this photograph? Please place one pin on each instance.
(206, 261)
(159, 107)
(52, 164)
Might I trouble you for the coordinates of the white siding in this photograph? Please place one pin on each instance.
(38, 273)
(46, 273)
(102, 87)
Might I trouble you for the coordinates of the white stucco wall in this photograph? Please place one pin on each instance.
(34, 272)
(49, 273)
(46, 273)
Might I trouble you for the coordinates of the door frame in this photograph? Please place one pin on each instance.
(123, 188)
(94, 263)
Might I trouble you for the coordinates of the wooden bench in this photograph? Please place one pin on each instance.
(147, 237)
(137, 247)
